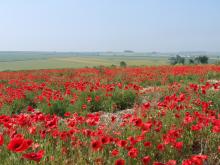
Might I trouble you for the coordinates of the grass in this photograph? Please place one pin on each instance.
(80, 62)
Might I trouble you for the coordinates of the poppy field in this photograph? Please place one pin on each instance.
(159, 115)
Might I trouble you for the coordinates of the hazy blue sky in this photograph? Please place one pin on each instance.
(110, 25)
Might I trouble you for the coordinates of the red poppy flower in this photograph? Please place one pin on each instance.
(105, 140)
(171, 162)
(1, 139)
(115, 152)
(19, 144)
(161, 147)
(32, 130)
(137, 122)
(145, 106)
(216, 129)
(146, 160)
(34, 156)
(158, 163)
(84, 106)
(133, 153)
(67, 114)
(147, 126)
(198, 159)
(96, 145)
(120, 162)
(30, 109)
(147, 144)
(179, 145)
(97, 98)
(121, 143)
(89, 99)
(113, 118)
(187, 162)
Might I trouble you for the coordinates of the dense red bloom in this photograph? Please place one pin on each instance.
(216, 129)
(179, 145)
(161, 147)
(34, 156)
(89, 99)
(132, 140)
(105, 140)
(188, 119)
(196, 127)
(195, 160)
(133, 152)
(147, 144)
(177, 115)
(30, 109)
(97, 98)
(113, 118)
(96, 145)
(120, 162)
(146, 160)
(158, 163)
(67, 114)
(32, 130)
(147, 126)
(198, 159)
(171, 162)
(84, 106)
(115, 152)
(19, 144)
(1, 139)
(145, 106)
(181, 108)
(137, 122)
(187, 162)
(121, 143)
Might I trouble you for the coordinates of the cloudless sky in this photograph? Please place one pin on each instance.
(110, 25)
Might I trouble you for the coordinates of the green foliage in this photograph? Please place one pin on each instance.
(201, 60)
(57, 107)
(29, 99)
(123, 64)
(118, 99)
(124, 99)
(17, 106)
(113, 66)
(188, 78)
(177, 60)
(191, 61)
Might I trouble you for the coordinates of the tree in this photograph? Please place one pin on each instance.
(202, 60)
(173, 60)
(123, 64)
(177, 60)
(191, 61)
(113, 66)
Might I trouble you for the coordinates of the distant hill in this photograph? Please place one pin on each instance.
(128, 51)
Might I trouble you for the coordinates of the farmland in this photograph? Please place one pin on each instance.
(78, 62)
(58, 60)
(133, 115)
(53, 60)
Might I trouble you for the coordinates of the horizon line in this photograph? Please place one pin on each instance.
(109, 51)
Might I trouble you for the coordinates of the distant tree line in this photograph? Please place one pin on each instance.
(177, 60)
(182, 60)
